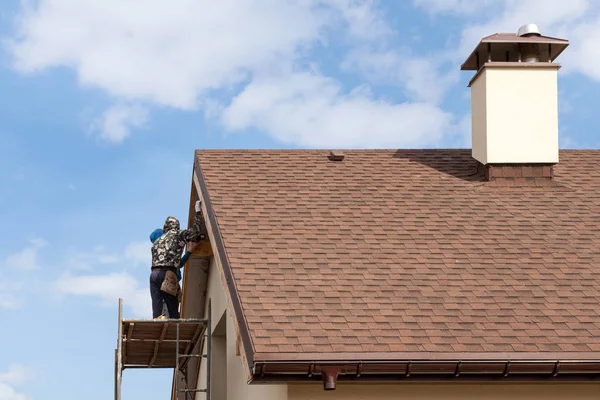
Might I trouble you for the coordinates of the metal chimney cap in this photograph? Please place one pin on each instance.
(529, 30)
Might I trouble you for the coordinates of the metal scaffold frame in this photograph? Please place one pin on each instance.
(153, 343)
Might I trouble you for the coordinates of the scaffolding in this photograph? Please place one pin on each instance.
(154, 343)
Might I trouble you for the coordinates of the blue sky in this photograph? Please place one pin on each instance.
(103, 103)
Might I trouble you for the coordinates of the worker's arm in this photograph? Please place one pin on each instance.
(184, 259)
(182, 264)
(188, 252)
(188, 235)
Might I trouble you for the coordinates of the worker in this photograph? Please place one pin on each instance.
(166, 259)
(190, 247)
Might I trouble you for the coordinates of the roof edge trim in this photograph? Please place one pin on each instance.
(238, 312)
(428, 356)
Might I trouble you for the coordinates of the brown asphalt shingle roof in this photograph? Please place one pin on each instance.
(402, 251)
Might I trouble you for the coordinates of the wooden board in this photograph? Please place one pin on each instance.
(152, 343)
(204, 249)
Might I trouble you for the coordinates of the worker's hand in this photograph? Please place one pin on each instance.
(198, 203)
(191, 246)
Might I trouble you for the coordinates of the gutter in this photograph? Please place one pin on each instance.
(470, 368)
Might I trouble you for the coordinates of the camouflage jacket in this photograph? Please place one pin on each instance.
(167, 249)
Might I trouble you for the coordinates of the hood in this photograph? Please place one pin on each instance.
(171, 223)
(156, 234)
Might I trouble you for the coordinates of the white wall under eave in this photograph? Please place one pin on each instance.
(237, 388)
(218, 303)
(432, 391)
(236, 377)
(216, 294)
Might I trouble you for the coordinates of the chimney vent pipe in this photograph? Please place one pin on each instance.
(529, 30)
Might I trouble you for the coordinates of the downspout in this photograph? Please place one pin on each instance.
(330, 375)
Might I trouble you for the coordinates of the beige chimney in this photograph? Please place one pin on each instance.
(514, 97)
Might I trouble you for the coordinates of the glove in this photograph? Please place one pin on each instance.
(198, 203)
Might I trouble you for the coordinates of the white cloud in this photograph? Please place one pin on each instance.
(87, 260)
(27, 258)
(117, 122)
(8, 297)
(108, 288)
(178, 56)
(135, 253)
(169, 55)
(463, 132)
(362, 19)
(422, 79)
(8, 393)
(11, 285)
(467, 7)
(105, 286)
(15, 376)
(585, 54)
(138, 253)
(313, 111)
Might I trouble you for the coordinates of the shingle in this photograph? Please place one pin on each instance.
(408, 251)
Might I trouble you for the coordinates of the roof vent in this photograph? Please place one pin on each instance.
(335, 155)
(529, 30)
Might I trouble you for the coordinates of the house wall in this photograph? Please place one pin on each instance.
(215, 293)
(414, 391)
(238, 388)
(195, 274)
(232, 385)
(515, 114)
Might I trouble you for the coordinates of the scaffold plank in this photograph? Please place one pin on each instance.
(153, 343)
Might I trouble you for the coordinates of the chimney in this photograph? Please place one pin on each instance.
(514, 103)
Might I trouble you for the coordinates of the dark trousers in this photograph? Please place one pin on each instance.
(159, 297)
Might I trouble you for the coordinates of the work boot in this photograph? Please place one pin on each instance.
(163, 316)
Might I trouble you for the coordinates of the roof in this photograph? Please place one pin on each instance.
(393, 251)
(505, 47)
(512, 38)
